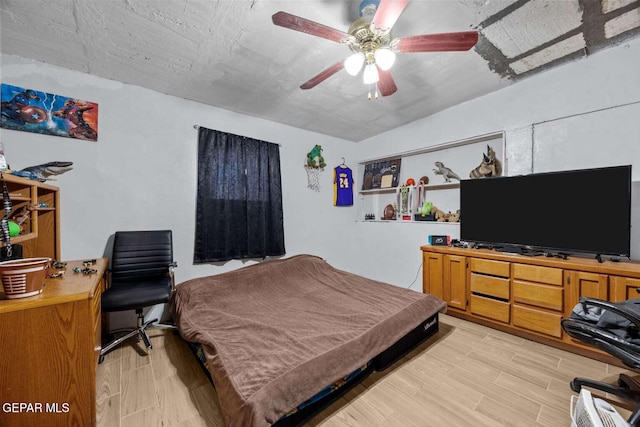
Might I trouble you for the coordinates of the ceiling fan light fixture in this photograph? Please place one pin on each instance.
(353, 64)
(370, 75)
(385, 58)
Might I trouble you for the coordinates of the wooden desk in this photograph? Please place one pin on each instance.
(49, 348)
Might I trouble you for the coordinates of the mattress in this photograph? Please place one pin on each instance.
(276, 333)
(335, 390)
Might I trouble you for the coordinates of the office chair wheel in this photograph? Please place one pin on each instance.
(101, 359)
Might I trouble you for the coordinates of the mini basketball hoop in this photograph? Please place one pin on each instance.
(313, 177)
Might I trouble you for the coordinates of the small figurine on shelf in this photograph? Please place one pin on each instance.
(44, 171)
(389, 212)
(446, 173)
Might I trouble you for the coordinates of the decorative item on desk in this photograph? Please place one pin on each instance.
(55, 275)
(23, 278)
(85, 270)
(58, 264)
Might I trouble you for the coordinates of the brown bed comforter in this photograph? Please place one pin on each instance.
(277, 332)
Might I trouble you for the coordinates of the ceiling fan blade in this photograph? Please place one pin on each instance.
(387, 13)
(386, 85)
(303, 25)
(444, 42)
(323, 75)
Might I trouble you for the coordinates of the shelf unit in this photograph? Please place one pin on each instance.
(462, 155)
(40, 232)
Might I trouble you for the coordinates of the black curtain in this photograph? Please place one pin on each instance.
(239, 201)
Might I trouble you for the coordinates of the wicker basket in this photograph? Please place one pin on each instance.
(23, 277)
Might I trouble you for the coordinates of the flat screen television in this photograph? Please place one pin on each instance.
(579, 211)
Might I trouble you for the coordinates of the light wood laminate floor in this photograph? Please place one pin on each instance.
(465, 375)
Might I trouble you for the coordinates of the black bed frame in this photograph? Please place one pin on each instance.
(379, 363)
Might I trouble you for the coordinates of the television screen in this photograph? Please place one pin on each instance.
(586, 211)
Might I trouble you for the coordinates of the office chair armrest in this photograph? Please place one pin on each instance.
(630, 315)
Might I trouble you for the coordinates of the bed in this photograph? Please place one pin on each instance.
(276, 335)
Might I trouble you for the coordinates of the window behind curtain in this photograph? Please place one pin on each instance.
(239, 200)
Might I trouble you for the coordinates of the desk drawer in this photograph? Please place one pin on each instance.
(490, 285)
(487, 266)
(490, 308)
(545, 296)
(545, 322)
(534, 273)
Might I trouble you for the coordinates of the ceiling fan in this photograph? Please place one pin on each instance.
(369, 38)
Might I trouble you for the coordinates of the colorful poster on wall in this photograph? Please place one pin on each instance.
(30, 110)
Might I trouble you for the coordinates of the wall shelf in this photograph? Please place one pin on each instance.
(408, 222)
(462, 157)
(426, 187)
(40, 232)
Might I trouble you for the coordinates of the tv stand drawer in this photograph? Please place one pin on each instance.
(544, 296)
(490, 267)
(535, 273)
(490, 308)
(537, 320)
(489, 285)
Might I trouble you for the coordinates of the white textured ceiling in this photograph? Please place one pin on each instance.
(230, 55)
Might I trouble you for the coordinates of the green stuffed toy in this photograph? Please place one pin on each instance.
(426, 208)
(314, 157)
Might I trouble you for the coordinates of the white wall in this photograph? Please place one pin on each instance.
(141, 174)
(584, 113)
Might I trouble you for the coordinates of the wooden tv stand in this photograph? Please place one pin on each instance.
(523, 295)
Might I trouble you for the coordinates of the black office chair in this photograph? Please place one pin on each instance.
(615, 329)
(141, 275)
